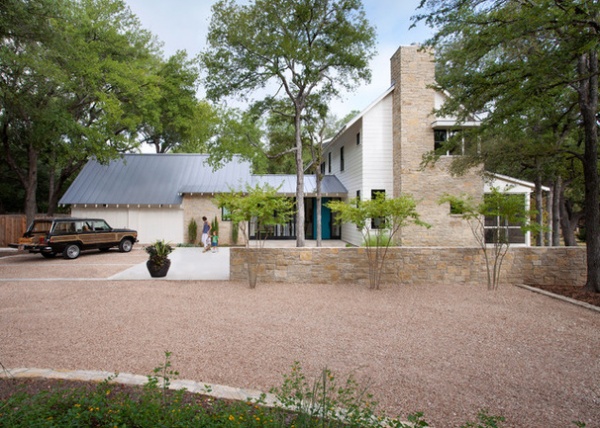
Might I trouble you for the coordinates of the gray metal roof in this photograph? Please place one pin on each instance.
(162, 179)
(152, 179)
(330, 186)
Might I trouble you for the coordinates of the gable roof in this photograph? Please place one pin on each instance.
(360, 115)
(152, 179)
(163, 179)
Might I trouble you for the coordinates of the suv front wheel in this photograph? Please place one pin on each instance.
(71, 251)
(125, 245)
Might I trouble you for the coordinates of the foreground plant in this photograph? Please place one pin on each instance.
(327, 402)
(324, 402)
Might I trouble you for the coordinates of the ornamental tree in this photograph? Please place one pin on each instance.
(292, 50)
(260, 204)
(506, 210)
(379, 220)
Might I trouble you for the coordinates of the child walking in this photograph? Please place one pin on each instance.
(214, 243)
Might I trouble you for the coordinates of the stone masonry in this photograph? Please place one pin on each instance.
(409, 266)
(412, 71)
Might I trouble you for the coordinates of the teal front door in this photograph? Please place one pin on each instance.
(325, 219)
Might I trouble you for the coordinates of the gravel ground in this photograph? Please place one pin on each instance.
(445, 350)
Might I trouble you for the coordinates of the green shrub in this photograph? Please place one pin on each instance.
(192, 231)
(235, 231)
(214, 225)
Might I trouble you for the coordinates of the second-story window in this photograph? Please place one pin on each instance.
(441, 141)
(329, 162)
(358, 139)
(341, 158)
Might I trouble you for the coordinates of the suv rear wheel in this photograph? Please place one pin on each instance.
(125, 245)
(71, 251)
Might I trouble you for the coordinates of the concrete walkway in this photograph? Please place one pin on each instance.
(191, 263)
(186, 264)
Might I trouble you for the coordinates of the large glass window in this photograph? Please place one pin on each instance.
(499, 229)
(379, 222)
(442, 136)
(225, 214)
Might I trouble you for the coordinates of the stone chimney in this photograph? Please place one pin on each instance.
(412, 70)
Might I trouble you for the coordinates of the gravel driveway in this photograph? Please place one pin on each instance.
(445, 350)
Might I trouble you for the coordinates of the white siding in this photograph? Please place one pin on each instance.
(151, 223)
(369, 165)
(378, 163)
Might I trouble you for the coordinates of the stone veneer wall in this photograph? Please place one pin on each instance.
(409, 266)
(412, 71)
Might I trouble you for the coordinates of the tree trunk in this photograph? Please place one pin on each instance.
(52, 192)
(568, 222)
(300, 181)
(556, 203)
(588, 104)
(539, 208)
(549, 210)
(31, 185)
(319, 211)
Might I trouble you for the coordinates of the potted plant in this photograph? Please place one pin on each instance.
(158, 262)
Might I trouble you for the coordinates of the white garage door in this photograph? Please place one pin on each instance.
(151, 223)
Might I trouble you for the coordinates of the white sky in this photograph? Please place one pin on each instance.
(183, 24)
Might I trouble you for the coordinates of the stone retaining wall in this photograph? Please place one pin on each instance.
(410, 266)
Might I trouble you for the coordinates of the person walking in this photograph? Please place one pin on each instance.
(205, 234)
(214, 242)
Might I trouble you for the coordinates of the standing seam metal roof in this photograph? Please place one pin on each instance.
(162, 179)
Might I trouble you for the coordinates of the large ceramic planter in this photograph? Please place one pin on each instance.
(158, 271)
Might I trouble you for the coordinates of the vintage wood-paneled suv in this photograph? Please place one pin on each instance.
(70, 236)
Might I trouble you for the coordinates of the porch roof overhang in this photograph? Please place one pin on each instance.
(453, 123)
(331, 186)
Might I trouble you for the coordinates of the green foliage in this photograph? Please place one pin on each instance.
(161, 378)
(533, 63)
(485, 421)
(324, 402)
(306, 49)
(83, 79)
(159, 251)
(235, 230)
(391, 213)
(260, 204)
(192, 231)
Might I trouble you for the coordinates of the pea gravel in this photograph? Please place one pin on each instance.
(445, 350)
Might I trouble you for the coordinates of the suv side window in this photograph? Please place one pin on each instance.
(63, 228)
(101, 226)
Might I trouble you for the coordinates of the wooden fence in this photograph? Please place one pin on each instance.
(12, 227)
